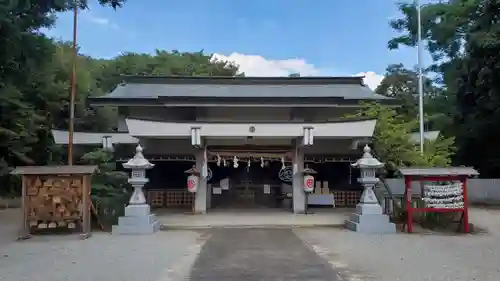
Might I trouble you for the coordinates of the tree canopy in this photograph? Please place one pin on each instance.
(35, 84)
(461, 85)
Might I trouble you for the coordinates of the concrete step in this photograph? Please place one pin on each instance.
(385, 228)
(130, 221)
(129, 229)
(137, 210)
(375, 219)
(249, 226)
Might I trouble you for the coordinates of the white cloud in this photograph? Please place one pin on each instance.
(372, 79)
(255, 65)
(88, 16)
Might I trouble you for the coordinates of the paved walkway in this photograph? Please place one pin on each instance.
(259, 254)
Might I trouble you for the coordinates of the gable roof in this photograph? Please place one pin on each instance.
(143, 88)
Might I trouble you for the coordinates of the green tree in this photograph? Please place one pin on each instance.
(444, 28)
(392, 142)
(401, 84)
(107, 182)
(28, 92)
(477, 118)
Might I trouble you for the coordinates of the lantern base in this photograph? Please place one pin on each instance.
(137, 220)
(369, 218)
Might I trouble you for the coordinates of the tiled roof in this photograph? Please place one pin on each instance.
(151, 87)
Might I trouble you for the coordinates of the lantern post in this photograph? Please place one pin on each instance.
(138, 218)
(369, 216)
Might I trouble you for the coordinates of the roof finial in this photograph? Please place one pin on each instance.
(367, 149)
(138, 149)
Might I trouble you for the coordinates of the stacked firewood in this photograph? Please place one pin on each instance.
(54, 202)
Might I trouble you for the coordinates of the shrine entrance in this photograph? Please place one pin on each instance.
(253, 183)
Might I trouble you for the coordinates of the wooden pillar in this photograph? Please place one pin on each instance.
(299, 196)
(200, 200)
(408, 203)
(87, 204)
(466, 205)
(24, 232)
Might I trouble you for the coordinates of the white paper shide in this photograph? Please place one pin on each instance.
(444, 196)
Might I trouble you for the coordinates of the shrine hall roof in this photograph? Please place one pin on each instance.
(147, 88)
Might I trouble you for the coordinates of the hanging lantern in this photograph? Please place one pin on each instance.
(193, 179)
(308, 179)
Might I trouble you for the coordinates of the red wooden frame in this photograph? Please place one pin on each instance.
(409, 206)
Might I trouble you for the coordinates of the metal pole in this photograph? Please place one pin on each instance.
(73, 87)
(420, 77)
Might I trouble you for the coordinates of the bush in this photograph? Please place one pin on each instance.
(106, 182)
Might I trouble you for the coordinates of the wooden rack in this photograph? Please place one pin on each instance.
(55, 198)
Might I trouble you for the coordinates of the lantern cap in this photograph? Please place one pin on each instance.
(138, 161)
(368, 161)
(309, 171)
(192, 171)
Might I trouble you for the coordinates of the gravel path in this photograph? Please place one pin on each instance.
(268, 254)
(165, 256)
(259, 254)
(412, 257)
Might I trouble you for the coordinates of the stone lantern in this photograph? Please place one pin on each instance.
(138, 218)
(369, 216)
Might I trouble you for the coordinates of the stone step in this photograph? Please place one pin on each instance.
(129, 229)
(149, 219)
(369, 209)
(137, 210)
(370, 219)
(386, 228)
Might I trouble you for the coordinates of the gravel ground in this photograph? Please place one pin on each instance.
(412, 257)
(170, 255)
(165, 256)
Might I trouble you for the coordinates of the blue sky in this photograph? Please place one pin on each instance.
(316, 37)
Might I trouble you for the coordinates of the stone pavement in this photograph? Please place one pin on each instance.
(259, 254)
(264, 218)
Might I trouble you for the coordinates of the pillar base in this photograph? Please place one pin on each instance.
(137, 220)
(369, 218)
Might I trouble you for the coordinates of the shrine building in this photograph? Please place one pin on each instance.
(250, 138)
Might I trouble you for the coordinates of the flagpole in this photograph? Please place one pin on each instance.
(420, 77)
(73, 87)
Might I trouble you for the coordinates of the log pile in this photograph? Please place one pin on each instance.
(54, 201)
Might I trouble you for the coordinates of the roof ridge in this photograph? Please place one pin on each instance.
(237, 80)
